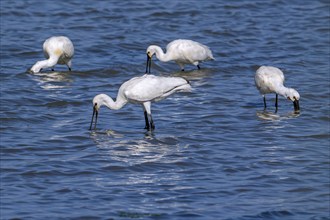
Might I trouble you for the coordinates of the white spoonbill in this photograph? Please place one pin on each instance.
(57, 50)
(182, 52)
(270, 79)
(141, 90)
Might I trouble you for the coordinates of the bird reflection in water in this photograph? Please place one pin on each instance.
(274, 116)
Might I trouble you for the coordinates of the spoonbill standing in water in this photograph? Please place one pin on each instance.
(182, 52)
(141, 90)
(57, 50)
(270, 79)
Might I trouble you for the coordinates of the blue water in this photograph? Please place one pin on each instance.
(215, 153)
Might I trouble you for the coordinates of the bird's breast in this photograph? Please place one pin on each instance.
(58, 52)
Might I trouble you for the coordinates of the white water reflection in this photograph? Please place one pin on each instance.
(53, 80)
(134, 151)
(275, 116)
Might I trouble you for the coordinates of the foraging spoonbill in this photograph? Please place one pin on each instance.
(269, 79)
(141, 90)
(57, 50)
(182, 52)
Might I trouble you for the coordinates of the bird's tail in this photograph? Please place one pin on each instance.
(184, 88)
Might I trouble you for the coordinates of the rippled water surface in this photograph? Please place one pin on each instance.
(215, 153)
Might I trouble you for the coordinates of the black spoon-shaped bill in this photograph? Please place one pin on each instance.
(296, 105)
(148, 66)
(95, 112)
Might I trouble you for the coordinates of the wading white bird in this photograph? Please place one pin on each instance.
(141, 90)
(270, 79)
(57, 50)
(182, 52)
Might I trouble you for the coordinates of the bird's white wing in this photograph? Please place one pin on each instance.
(153, 88)
(189, 50)
(268, 78)
(45, 48)
(68, 48)
(58, 45)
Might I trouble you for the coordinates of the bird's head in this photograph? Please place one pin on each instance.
(151, 50)
(98, 101)
(36, 68)
(294, 96)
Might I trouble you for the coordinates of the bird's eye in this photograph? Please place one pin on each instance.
(95, 104)
(148, 52)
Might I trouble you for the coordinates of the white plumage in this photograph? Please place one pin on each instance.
(141, 90)
(57, 50)
(182, 52)
(270, 79)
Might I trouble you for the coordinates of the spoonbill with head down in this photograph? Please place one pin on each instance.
(182, 52)
(270, 79)
(141, 90)
(57, 50)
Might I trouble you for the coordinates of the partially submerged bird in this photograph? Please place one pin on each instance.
(57, 50)
(141, 90)
(270, 79)
(182, 52)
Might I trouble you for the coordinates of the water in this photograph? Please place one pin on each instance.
(215, 154)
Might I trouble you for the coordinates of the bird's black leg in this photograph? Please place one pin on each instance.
(198, 67)
(182, 70)
(276, 101)
(69, 69)
(53, 69)
(147, 121)
(265, 106)
(152, 123)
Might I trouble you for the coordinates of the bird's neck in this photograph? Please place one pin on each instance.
(164, 57)
(282, 90)
(52, 61)
(114, 105)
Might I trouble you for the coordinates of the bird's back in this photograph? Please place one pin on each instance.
(152, 88)
(188, 51)
(268, 79)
